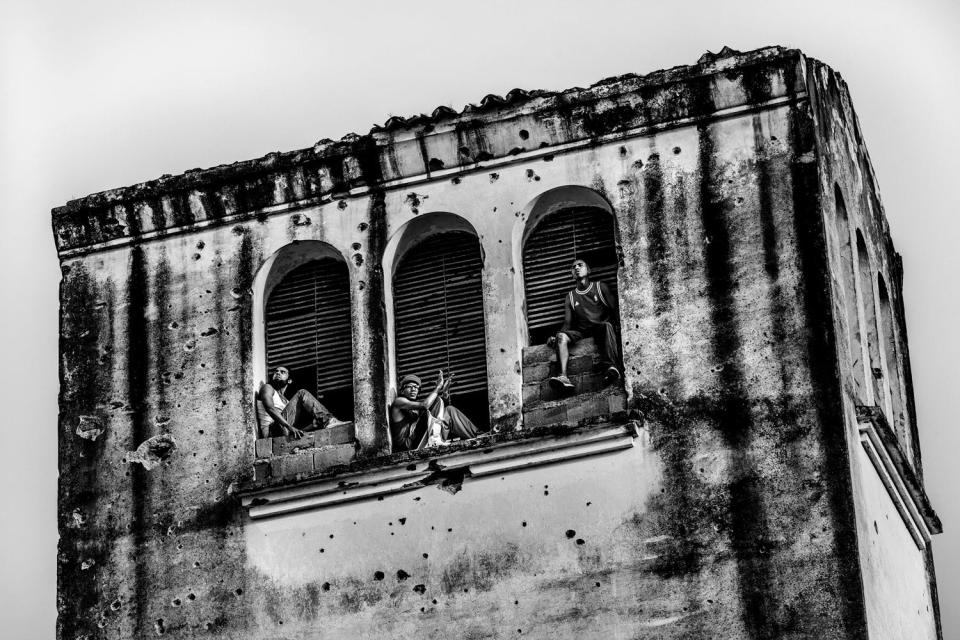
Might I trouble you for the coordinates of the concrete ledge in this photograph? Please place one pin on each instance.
(340, 434)
(446, 467)
(902, 484)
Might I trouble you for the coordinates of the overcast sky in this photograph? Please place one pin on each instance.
(96, 95)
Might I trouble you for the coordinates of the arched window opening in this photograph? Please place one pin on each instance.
(584, 232)
(848, 282)
(898, 419)
(870, 320)
(439, 320)
(308, 331)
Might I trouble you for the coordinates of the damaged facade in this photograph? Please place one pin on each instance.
(757, 475)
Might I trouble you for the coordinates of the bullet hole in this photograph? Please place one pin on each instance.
(175, 602)
(325, 586)
(420, 588)
(546, 493)
(426, 555)
(548, 157)
(201, 244)
(494, 177)
(378, 575)
(402, 575)
(191, 597)
(524, 134)
(502, 350)
(435, 164)
(581, 541)
(362, 226)
(875, 528)
(355, 246)
(423, 609)
(115, 605)
(86, 564)
(400, 520)
(740, 200)
(299, 220)
(189, 345)
(519, 631)
(637, 164)
(196, 256)
(523, 524)
(357, 259)
(173, 325)
(589, 503)
(571, 533)
(532, 175)
(464, 151)
(774, 138)
(158, 627)
(238, 592)
(676, 150)
(709, 601)
(515, 151)
(212, 331)
(434, 601)
(450, 530)
(236, 293)
(178, 375)
(153, 451)
(413, 201)
(517, 602)
(196, 565)
(653, 157)
(321, 550)
(598, 584)
(342, 204)
(466, 590)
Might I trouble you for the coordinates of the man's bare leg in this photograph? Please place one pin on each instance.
(563, 355)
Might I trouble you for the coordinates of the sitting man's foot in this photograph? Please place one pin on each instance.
(611, 376)
(333, 422)
(562, 382)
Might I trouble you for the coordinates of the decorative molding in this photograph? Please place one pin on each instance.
(901, 483)
(441, 469)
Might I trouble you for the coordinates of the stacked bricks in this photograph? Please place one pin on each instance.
(545, 405)
(316, 451)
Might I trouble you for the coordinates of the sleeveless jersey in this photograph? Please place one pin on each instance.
(279, 402)
(588, 307)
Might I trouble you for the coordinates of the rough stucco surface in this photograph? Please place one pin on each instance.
(737, 515)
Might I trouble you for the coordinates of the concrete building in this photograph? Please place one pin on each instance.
(757, 475)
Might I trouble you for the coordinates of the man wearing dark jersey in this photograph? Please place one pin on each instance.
(590, 309)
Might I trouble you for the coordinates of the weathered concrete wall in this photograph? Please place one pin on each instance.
(738, 513)
(899, 586)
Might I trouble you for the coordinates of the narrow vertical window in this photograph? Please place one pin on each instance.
(439, 319)
(308, 331)
(849, 293)
(891, 353)
(870, 320)
(576, 232)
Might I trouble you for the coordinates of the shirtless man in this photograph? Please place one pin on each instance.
(406, 412)
(590, 309)
(300, 413)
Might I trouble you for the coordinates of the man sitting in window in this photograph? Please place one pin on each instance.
(590, 309)
(412, 421)
(279, 416)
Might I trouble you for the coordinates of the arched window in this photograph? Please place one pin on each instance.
(308, 330)
(870, 319)
(439, 320)
(897, 419)
(584, 232)
(848, 282)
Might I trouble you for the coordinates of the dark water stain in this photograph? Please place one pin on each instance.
(138, 363)
(734, 420)
(825, 374)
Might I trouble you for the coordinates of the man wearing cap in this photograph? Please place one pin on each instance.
(590, 309)
(407, 428)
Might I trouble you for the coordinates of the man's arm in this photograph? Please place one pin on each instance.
(567, 314)
(612, 303)
(265, 396)
(405, 404)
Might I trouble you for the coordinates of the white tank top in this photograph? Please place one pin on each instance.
(279, 402)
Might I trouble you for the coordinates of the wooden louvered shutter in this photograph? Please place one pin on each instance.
(308, 328)
(548, 254)
(438, 309)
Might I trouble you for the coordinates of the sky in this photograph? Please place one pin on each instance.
(96, 95)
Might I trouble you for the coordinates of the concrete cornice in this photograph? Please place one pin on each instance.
(497, 130)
